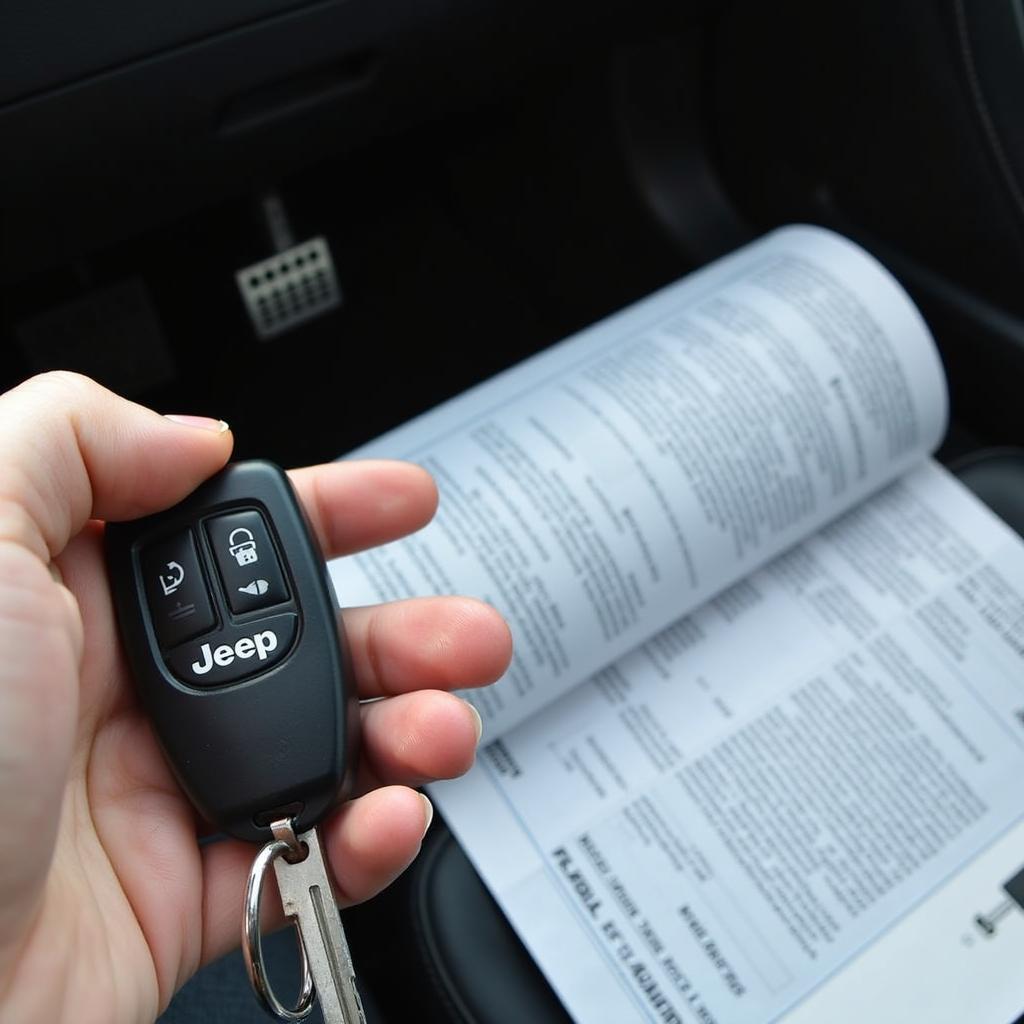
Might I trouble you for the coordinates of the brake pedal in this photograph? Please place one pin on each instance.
(295, 285)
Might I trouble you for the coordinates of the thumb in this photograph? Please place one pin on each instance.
(73, 451)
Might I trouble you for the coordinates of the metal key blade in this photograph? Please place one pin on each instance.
(307, 896)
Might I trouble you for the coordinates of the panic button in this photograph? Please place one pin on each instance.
(248, 564)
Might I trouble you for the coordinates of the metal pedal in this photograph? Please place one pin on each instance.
(290, 288)
(295, 285)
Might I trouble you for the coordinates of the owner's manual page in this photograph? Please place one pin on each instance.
(614, 482)
(795, 800)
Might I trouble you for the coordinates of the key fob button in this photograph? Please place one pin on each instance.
(179, 604)
(234, 653)
(246, 561)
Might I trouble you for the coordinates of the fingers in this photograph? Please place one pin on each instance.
(355, 505)
(417, 738)
(428, 643)
(369, 842)
(372, 840)
(71, 451)
(435, 643)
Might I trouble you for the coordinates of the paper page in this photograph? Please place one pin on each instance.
(956, 957)
(599, 490)
(781, 803)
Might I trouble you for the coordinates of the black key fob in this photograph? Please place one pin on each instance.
(233, 634)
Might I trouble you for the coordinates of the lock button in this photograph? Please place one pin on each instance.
(247, 562)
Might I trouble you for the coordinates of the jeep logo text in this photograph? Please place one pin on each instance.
(260, 645)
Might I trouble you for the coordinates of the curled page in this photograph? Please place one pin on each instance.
(600, 490)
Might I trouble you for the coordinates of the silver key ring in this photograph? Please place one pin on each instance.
(252, 949)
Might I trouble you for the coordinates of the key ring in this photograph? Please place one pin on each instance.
(252, 949)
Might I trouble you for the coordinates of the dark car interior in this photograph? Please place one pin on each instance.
(488, 177)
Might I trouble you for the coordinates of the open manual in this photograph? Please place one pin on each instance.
(760, 753)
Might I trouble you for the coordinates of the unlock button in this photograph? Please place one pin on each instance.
(247, 561)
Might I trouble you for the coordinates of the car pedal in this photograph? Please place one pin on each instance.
(290, 288)
(295, 285)
(111, 333)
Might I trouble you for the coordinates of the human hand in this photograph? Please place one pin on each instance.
(107, 902)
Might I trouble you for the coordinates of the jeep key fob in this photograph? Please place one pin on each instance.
(233, 635)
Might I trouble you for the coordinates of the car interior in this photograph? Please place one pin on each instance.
(458, 185)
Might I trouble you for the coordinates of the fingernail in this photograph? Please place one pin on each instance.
(428, 813)
(478, 722)
(202, 422)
